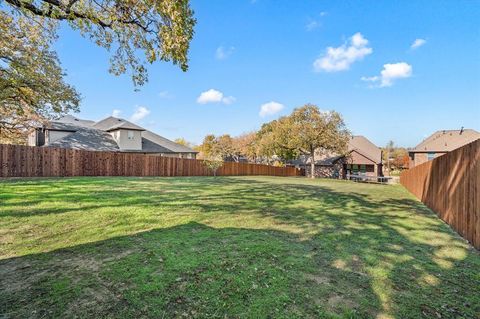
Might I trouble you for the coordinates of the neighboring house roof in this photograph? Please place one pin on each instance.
(326, 159)
(70, 119)
(60, 126)
(68, 123)
(359, 144)
(154, 143)
(366, 148)
(87, 139)
(90, 135)
(321, 158)
(446, 140)
(112, 123)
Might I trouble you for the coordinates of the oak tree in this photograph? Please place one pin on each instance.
(32, 86)
(309, 129)
(245, 145)
(136, 31)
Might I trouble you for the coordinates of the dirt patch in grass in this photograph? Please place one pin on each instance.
(318, 279)
(99, 300)
(17, 275)
(94, 263)
(24, 279)
(339, 303)
(20, 274)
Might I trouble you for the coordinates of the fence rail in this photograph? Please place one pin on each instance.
(450, 186)
(31, 161)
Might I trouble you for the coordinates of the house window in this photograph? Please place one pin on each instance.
(430, 156)
(130, 135)
(363, 168)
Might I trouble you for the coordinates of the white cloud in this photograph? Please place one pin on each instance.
(140, 113)
(222, 53)
(228, 100)
(312, 25)
(165, 95)
(214, 96)
(417, 43)
(340, 58)
(270, 108)
(315, 23)
(390, 73)
(210, 96)
(116, 113)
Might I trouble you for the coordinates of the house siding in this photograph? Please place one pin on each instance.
(179, 155)
(121, 137)
(339, 170)
(32, 138)
(420, 158)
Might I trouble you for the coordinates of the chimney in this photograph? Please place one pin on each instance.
(461, 130)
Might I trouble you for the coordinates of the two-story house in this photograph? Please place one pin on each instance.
(109, 134)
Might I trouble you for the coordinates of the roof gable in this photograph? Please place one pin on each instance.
(113, 123)
(357, 157)
(363, 146)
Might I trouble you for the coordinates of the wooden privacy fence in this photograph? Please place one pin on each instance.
(450, 186)
(31, 161)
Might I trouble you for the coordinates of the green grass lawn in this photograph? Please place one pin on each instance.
(228, 247)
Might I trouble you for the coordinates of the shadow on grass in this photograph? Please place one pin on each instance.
(346, 252)
(188, 271)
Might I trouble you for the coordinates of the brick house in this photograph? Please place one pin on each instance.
(363, 158)
(439, 143)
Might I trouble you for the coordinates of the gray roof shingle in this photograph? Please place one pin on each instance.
(87, 139)
(60, 126)
(112, 123)
(357, 143)
(154, 143)
(447, 140)
(89, 135)
(362, 145)
(70, 119)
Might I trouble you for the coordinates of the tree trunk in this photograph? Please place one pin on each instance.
(388, 160)
(312, 164)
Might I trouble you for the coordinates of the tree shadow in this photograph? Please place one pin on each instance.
(321, 248)
(186, 271)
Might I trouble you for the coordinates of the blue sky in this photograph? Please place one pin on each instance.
(249, 53)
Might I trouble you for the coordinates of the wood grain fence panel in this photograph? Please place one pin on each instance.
(450, 186)
(5, 161)
(30, 161)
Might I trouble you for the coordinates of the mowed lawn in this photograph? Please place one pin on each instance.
(228, 247)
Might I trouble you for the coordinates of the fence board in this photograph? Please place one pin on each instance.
(450, 186)
(32, 161)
